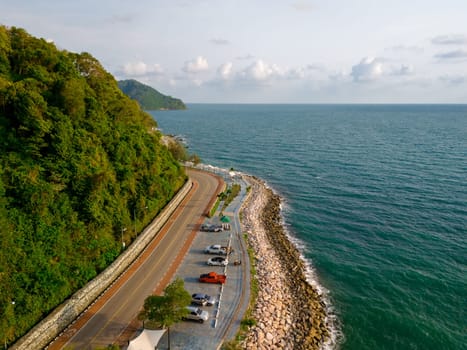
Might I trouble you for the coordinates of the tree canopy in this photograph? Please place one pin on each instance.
(79, 163)
(168, 309)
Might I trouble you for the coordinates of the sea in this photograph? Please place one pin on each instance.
(375, 196)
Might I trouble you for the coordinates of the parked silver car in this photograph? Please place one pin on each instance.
(196, 314)
(211, 228)
(203, 299)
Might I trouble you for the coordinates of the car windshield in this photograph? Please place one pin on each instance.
(198, 311)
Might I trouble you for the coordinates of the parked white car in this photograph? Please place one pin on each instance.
(217, 249)
(218, 261)
(196, 314)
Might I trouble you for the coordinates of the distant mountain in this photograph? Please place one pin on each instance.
(149, 98)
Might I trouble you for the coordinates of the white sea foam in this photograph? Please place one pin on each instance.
(336, 335)
(332, 320)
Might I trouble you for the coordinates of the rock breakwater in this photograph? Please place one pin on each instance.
(289, 312)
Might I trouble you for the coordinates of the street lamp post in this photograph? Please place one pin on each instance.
(123, 242)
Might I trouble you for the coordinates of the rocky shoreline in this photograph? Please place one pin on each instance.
(289, 312)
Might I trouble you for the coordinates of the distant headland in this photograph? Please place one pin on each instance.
(149, 98)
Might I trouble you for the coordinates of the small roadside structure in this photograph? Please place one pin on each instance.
(225, 222)
(147, 340)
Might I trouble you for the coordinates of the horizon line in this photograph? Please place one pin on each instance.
(334, 103)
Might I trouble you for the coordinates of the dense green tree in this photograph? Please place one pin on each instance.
(79, 161)
(178, 150)
(168, 309)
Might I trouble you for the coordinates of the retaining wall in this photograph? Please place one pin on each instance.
(50, 327)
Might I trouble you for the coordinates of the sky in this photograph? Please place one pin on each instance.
(266, 51)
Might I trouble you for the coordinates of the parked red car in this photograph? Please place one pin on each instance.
(212, 277)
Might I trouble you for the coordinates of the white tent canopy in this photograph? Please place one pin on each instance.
(147, 340)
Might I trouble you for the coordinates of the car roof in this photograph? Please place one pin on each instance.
(200, 295)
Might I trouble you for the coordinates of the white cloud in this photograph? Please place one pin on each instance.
(197, 65)
(225, 70)
(454, 79)
(307, 72)
(455, 55)
(197, 82)
(141, 68)
(125, 18)
(367, 70)
(402, 70)
(261, 71)
(372, 69)
(452, 39)
(245, 57)
(338, 77)
(315, 67)
(296, 73)
(406, 49)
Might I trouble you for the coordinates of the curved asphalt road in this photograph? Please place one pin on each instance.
(107, 324)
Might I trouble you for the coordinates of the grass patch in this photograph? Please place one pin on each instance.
(247, 323)
(229, 195)
(214, 208)
(254, 290)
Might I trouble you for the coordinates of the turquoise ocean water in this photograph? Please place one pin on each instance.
(377, 197)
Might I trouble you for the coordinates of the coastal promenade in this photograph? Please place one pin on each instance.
(288, 314)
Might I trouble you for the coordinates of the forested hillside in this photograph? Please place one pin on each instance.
(80, 166)
(149, 98)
